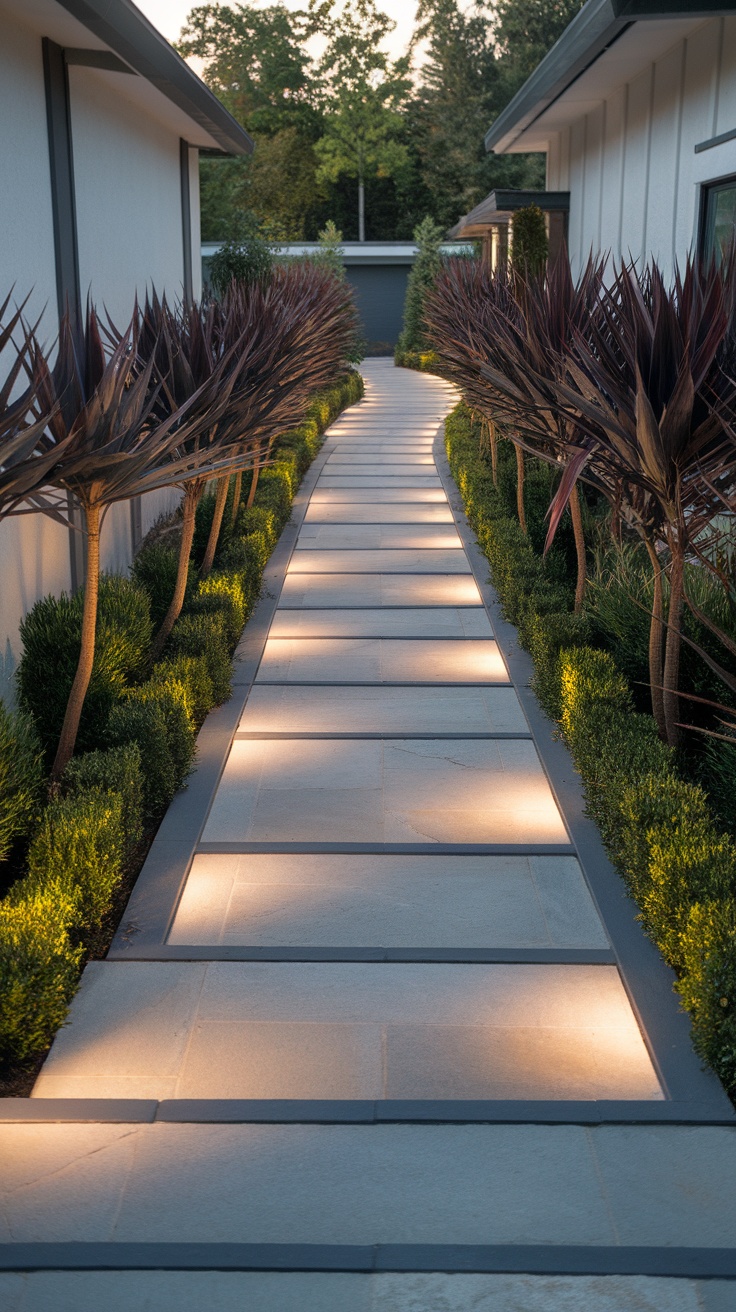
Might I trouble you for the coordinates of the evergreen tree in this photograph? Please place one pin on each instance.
(428, 237)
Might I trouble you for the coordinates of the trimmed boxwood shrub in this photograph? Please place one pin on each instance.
(80, 848)
(657, 826)
(118, 771)
(39, 966)
(222, 594)
(205, 635)
(51, 634)
(21, 776)
(142, 722)
(154, 569)
(194, 676)
(171, 697)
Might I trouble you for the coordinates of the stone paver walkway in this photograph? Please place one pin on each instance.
(385, 922)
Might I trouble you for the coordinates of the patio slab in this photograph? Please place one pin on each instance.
(376, 537)
(429, 1184)
(316, 1291)
(382, 709)
(439, 560)
(374, 512)
(427, 622)
(377, 660)
(352, 1031)
(372, 791)
(324, 591)
(265, 899)
(432, 495)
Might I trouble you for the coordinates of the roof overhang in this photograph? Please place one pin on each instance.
(498, 209)
(604, 46)
(115, 39)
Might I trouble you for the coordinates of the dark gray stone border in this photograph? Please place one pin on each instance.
(646, 978)
(393, 849)
(527, 1259)
(428, 956)
(316, 1111)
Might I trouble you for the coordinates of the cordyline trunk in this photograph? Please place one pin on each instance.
(191, 499)
(493, 441)
(253, 483)
(672, 650)
(656, 643)
(70, 727)
(576, 514)
(237, 492)
(520, 487)
(361, 208)
(214, 537)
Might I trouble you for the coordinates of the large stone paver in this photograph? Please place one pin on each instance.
(269, 1291)
(417, 622)
(350, 1030)
(365, 1184)
(325, 590)
(377, 537)
(410, 710)
(381, 660)
(400, 791)
(387, 900)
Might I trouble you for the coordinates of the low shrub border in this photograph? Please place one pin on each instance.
(90, 840)
(657, 827)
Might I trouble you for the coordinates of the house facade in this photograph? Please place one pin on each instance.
(102, 126)
(635, 108)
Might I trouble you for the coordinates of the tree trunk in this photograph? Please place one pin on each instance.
(191, 499)
(672, 650)
(253, 483)
(237, 493)
(577, 528)
(656, 643)
(361, 208)
(214, 537)
(520, 486)
(73, 714)
(493, 439)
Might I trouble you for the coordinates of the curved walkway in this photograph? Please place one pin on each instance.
(364, 1041)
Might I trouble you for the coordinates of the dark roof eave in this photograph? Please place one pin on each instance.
(130, 35)
(591, 32)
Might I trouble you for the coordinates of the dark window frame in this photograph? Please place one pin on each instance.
(707, 191)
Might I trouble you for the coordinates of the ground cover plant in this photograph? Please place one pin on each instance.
(73, 855)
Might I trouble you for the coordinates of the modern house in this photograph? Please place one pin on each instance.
(103, 124)
(635, 108)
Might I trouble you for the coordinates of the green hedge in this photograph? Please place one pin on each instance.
(657, 826)
(140, 729)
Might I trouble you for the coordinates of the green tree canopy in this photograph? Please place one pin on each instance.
(364, 94)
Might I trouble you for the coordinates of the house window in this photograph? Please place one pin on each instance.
(718, 219)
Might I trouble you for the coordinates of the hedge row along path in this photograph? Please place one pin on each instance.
(377, 1031)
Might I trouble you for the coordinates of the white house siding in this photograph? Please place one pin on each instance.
(630, 164)
(128, 195)
(128, 188)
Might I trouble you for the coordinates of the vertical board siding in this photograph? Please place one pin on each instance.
(612, 174)
(630, 164)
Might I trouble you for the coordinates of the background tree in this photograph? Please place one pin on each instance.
(365, 93)
(524, 31)
(529, 244)
(428, 237)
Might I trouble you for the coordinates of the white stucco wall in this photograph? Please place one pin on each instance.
(630, 164)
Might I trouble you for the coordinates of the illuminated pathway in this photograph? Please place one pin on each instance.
(364, 1003)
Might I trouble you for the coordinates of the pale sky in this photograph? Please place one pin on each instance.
(169, 17)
